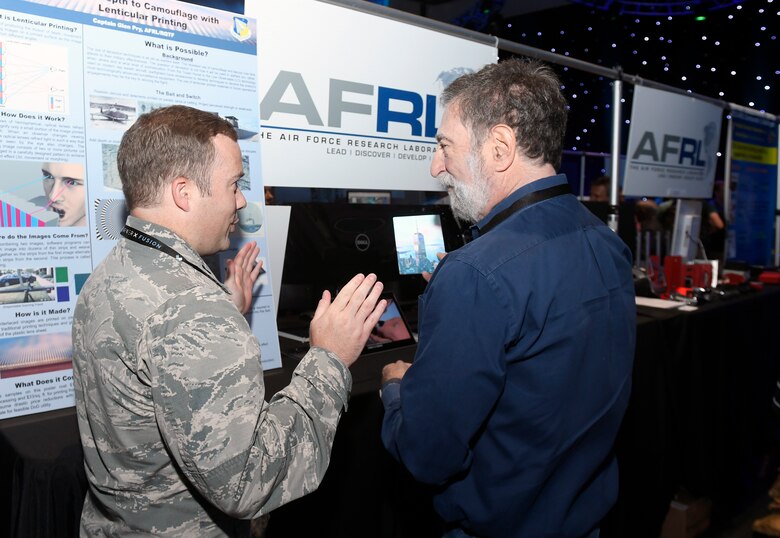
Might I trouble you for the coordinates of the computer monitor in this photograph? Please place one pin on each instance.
(328, 243)
(687, 223)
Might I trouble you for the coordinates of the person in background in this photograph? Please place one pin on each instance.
(712, 230)
(526, 334)
(600, 189)
(269, 195)
(713, 224)
(178, 438)
(63, 185)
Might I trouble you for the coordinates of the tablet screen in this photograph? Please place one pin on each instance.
(392, 330)
(417, 240)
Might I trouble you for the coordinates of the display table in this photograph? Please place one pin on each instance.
(699, 417)
(700, 410)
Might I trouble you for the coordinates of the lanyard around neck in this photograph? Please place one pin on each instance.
(525, 201)
(137, 236)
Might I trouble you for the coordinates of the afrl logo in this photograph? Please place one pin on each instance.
(673, 149)
(392, 105)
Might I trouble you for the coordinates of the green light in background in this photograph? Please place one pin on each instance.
(701, 18)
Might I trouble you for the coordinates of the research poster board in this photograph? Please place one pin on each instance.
(74, 75)
(349, 99)
(754, 192)
(671, 154)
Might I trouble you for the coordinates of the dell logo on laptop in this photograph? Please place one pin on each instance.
(362, 242)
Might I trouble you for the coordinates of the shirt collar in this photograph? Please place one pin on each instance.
(525, 190)
(174, 241)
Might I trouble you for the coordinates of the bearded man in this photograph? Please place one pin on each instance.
(526, 334)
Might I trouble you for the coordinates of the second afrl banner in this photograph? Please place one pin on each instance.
(350, 99)
(672, 146)
(74, 76)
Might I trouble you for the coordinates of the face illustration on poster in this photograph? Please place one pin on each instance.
(63, 184)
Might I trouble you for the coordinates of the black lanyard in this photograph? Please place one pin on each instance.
(525, 201)
(137, 236)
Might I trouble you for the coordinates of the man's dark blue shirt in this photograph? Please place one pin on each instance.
(522, 373)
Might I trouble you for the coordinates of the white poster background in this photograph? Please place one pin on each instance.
(672, 145)
(71, 83)
(317, 48)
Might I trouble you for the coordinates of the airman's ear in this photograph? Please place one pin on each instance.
(181, 191)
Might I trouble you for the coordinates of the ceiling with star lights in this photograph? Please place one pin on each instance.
(726, 50)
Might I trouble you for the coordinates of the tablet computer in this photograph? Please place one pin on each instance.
(392, 330)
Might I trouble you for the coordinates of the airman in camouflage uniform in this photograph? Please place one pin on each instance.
(178, 439)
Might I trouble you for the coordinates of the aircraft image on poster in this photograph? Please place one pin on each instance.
(112, 112)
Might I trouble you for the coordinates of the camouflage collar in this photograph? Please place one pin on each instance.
(171, 244)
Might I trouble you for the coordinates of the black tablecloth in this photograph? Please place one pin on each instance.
(700, 410)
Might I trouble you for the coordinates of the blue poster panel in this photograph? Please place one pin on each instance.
(754, 189)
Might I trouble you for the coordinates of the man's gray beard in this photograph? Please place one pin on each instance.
(468, 200)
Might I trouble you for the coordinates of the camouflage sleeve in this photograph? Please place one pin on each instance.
(244, 455)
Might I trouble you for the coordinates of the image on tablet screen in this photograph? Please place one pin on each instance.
(417, 240)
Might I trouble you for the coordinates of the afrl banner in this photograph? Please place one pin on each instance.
(350, 99)
(672, 145)
(74, 75)
(754, 189)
